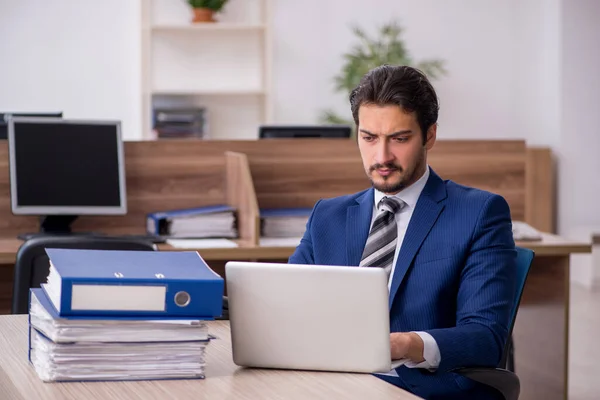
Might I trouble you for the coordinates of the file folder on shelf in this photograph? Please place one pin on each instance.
(284, 222)
(133, 283)
(218, 221)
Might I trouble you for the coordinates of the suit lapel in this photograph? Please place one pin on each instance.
(358, 224)
(428, 208)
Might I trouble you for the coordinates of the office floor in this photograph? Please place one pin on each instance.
(584, 363)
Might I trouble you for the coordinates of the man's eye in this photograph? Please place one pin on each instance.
(401, 139)
(367, 138)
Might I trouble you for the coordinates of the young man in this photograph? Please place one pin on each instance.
(448, 249)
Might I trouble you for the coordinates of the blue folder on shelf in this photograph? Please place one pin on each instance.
(133, 283)
(200, 222)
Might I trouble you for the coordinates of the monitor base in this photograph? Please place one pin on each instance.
(32, 235)
(55, 225)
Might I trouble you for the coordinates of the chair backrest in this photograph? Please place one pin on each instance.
(524, 261)
(32, 264)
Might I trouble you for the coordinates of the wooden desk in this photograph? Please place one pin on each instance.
(541, 331)
(224, 380)
(250, 175)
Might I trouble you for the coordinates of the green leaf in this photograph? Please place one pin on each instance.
(215, 5)
(386, 48)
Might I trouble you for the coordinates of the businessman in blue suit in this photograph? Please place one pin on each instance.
(448, 248)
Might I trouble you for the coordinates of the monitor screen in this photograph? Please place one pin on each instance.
(66, 167)
(308, 131)
(4, 118)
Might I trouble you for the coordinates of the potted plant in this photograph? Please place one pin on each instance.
(204, 10)
(368, 53)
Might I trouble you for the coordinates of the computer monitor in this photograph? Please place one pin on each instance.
(5, 115)
(60, 169)
(305, 131)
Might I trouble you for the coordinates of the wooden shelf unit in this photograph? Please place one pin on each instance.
(224, 67)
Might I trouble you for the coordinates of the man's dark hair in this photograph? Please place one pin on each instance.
(403, 86)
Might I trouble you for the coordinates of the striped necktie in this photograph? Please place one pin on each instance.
(381, 244)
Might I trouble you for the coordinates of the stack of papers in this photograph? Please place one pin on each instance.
(115, 361)
(524, 231)
(95, 348)
(284, 222)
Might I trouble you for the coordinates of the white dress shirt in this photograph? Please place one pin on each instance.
(410, 196)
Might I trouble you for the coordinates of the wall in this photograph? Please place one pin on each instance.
(537, 67)
(477, 40)
(79, 57)
(580, 139)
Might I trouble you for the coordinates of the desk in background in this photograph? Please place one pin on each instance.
(224, 380)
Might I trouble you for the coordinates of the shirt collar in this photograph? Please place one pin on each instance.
(409, 195)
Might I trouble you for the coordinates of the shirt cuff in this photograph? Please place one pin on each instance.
(431, 353)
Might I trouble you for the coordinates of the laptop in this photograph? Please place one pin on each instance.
(309, 317)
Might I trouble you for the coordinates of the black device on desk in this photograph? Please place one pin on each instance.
(60, 169)
(304, 131)
(6, 115)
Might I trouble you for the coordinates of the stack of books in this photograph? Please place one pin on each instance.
(218, 221)
(284, 222)
(123, 315)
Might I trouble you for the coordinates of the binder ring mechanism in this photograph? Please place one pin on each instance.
(182, 298)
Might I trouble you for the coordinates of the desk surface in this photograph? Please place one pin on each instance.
(551, 245)
(224, 380)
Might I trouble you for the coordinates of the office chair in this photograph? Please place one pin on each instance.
(225, 315)
(32, 264)
(501, 378)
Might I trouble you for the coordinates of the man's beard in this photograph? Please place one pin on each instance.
(389, 184)
(398, 180)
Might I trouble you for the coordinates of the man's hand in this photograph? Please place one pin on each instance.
(407, 345)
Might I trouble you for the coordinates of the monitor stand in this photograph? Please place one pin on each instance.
(55, 225)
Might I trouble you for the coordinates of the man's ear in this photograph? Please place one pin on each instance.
(431, 136)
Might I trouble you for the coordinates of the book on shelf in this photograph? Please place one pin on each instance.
(215, 221)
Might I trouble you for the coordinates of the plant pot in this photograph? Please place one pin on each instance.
(203, 15)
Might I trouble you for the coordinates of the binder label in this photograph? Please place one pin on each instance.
(119, 297)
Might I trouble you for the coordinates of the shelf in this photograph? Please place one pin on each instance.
(210, 27)
(223, 66)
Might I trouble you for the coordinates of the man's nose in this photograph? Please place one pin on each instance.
(383, 155)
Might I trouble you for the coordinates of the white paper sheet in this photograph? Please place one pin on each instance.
(280, 242)
(201, 243)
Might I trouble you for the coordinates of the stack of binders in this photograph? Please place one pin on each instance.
(284, 222)
(123, 315)
(216, 221)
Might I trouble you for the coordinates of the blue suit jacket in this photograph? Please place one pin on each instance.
(454, 277)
